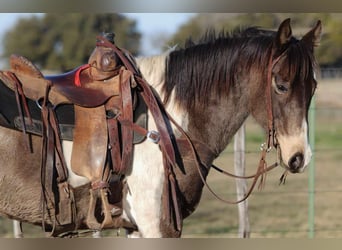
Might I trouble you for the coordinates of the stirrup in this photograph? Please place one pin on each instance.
(109, 210)
(91, 221)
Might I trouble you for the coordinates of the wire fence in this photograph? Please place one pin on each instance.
(330, 73)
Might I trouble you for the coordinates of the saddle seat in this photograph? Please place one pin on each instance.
(92, 93)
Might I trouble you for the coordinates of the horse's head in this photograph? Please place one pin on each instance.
(293, 85)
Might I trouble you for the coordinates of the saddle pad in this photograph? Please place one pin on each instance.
(10, 115)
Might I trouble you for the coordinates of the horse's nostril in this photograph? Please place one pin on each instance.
(296, 162)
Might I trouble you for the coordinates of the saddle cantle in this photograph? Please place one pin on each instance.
(63, 90)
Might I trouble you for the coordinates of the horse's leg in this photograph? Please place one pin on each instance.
(73, 179)
(142, 204)
(133, 234)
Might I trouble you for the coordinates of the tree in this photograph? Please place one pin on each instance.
(65, 41)
(328, 54)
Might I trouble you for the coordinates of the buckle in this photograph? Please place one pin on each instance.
(264, 146)
(153, 136)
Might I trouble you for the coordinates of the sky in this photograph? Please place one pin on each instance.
(152, 24)
(149, 24)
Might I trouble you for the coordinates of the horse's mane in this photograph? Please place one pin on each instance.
(211, 64)
(214, 63)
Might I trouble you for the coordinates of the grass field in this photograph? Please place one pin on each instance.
(277, 211)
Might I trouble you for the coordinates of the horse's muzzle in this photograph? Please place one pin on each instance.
(296, 163)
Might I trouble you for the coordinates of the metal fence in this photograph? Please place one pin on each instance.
(331, 73)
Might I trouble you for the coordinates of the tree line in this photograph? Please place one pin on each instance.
(64, 41)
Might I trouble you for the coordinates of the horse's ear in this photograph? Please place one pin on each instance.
(284, 33)
(313, 37)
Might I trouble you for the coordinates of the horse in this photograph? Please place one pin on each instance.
(209, 88)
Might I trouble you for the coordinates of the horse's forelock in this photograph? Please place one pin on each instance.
(301, 62)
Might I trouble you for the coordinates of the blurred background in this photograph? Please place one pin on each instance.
(60, 42)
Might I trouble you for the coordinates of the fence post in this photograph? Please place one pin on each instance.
(241, 184)
(311, 187)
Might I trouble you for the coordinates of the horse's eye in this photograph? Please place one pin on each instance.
(281, 88)
(280, 85)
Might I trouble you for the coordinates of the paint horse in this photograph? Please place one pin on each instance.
(209, 88)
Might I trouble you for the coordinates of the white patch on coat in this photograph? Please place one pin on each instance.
(73, 179)
(145, 182)
(153, 70)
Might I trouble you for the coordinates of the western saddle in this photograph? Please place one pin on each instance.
(105, 95)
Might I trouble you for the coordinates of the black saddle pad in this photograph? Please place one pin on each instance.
(9, 109)
(9, 115)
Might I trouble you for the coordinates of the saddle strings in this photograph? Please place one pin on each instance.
(21, 101)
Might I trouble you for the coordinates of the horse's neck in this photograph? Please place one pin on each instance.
(218, 122)
(214, 125)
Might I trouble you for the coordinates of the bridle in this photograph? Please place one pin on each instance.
(271, 133)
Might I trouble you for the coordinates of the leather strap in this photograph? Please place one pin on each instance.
(21, 101)
(114, 144)
(126, 131)
(271, 141)
(53, 158)
(153, 103)
(121, 148)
